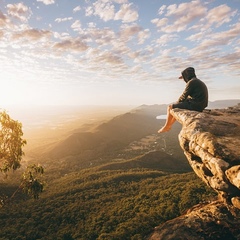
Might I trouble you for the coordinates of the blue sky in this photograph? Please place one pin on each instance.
(116, 52)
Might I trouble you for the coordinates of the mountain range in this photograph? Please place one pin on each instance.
(114, 180)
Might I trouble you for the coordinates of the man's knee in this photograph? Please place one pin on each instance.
(170, 107)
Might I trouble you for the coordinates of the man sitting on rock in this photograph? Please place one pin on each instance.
(194, 97)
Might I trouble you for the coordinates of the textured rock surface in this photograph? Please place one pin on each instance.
(211, 142)
(210, 222)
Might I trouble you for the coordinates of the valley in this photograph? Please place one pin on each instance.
(107, 176)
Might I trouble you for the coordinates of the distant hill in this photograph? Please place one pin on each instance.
(111, 135)
(157, 160)
(118, 132)
(103, 144)
(223, 103)
(110, 139)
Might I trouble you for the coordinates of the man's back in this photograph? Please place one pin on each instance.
(197, 93)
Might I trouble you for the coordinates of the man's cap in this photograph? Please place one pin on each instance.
(189, 69)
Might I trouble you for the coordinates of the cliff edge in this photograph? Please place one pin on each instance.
(211, 142)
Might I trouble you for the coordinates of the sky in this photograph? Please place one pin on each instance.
(116, 52)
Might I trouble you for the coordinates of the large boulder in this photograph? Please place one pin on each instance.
(211, 142)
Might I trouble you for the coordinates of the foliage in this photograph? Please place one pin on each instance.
(11, 143)
(97, 205)
(30, 181)
(11, 153)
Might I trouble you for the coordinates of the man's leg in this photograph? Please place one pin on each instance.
(169, 121)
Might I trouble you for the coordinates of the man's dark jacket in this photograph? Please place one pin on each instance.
(196, 92)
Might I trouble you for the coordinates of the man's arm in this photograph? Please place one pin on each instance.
(186, 92)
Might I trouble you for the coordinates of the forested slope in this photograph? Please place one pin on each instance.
(92, 204)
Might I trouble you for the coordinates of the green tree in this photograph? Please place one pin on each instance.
(11, 153)
(11, 143)
(31, 183)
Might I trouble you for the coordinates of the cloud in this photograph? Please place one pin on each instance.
(76, 26)
(104, 9)
(76, 45)
(19, 11)
(128, 32)
(89, 11)
(58, 20)
(230, 34)
(178, 17)
(124, 48)
(3, 19)
(226, 37)
(1, 34)
(47, 2)
(92, 24)
(92, 52)
(232, 59)
(143, 35)
(119, 47)
(160, 22)
(162, 9)
(219, 15)
(142, 55)
(108, 58)
(77, 9)
(165, 39)
(126, 14)
(208, 40)
(32, 35)
(185, 10)
(100, 36)
(208, 43)
(197, 37)
(120, 1)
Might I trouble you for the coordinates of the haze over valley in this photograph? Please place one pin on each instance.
(94, 135)
(86, 136)
(108, 174)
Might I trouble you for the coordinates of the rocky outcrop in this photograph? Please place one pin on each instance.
(211, 142)
(214, 221)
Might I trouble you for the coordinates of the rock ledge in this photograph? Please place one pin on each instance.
(210, 222)
(210, 140)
